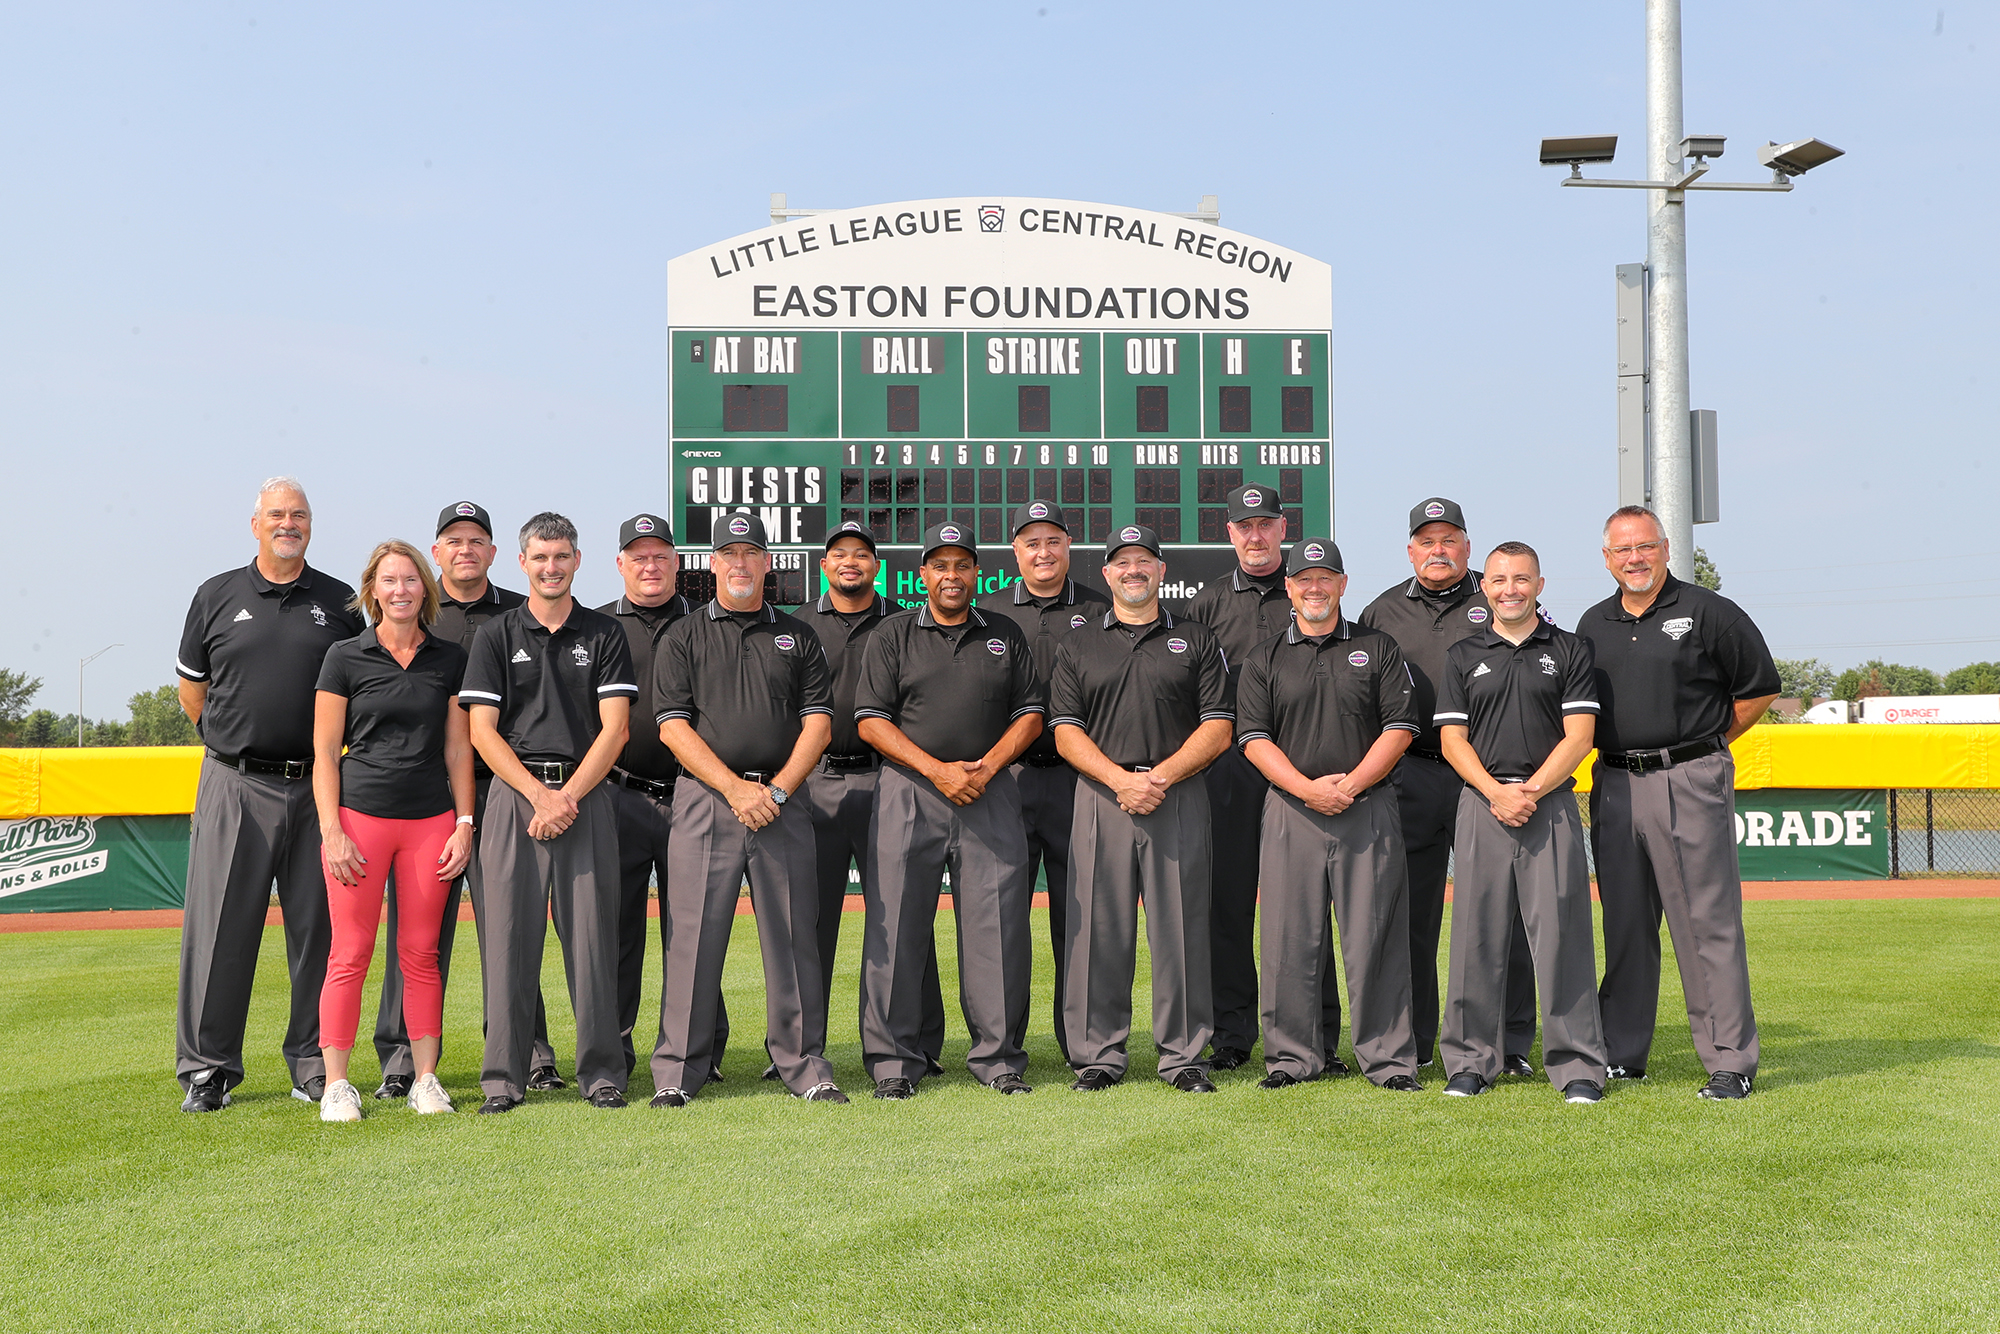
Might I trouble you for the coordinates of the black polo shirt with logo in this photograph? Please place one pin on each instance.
(1140, 691)
(843, 635)
(547, 685)
(394, 767)
(259, 645)
(1325, 700)
(1243, 610)
(460, 622)
(1512, 698)
(954, 690)
(743, 680)
(645, 755)
(1425, 624)
(1045, 621)
(1671, 676)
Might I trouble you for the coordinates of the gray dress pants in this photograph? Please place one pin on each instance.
(1117, 860)
(919, 835)
(392, 1039)
(710, 857)
(1427, 792)
(1354, 862)
(842, 804)
(574, 878)
(1666, 842)
(249, 830)
(1536, 874)
(1048, 809)
(645, 823)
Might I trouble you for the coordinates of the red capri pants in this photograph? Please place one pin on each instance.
(412, 847)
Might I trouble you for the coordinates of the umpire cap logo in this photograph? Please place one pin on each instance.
(1358, 658)
(1038, 510)
(1128, 534)
(1433, 510)
(950, 533)
(642, 524)
(1314, 551)
(738, 527)
(1253, 499)
(465, 507)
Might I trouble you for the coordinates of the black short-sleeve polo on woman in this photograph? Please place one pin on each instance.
(394, 768)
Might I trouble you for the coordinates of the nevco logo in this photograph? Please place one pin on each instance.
(47, 850)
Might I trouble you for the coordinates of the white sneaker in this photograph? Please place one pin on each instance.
(427, 1096)
(340, 1102)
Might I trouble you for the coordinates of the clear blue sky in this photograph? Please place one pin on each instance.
(415, 252)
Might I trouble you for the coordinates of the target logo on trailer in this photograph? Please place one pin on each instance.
(1358, 658)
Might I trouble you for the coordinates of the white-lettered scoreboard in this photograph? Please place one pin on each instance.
(906, 364)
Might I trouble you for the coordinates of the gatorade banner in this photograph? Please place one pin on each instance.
(86, 863)
(1812, 834)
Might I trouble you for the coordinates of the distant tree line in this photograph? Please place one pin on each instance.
(156, 720)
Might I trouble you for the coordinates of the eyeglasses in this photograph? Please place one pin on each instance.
(1640, 548)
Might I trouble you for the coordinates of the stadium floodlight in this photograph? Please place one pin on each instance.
(1798, 157)
(1574, 152)
(1699, 146)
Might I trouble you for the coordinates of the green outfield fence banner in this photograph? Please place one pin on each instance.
(87, 863)
(1812, 833)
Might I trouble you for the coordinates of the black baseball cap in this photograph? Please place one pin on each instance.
(1314, 553)
(850, 529)
(644, 525)
(464, 512)
(1038, 511)
(1131, 535)
(1436, 510)
(731, 529)
(948, 534)
(1254, 500)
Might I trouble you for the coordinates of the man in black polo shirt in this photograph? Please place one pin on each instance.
(1517, 711)
(949, 697)
(1681, 672)
(840, 795)
(1140, 702)
(248, 659)
(744, 704)
(1426, 614)
(549, 688)
(1047, 604)
(642, 782)
(463, 553)
(1324, 712)
(1244, 610)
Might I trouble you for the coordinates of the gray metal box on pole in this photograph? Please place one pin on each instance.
(1635, 455)
(1707, 471)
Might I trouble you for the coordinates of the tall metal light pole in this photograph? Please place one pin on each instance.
(81, 664)
(1666, 255)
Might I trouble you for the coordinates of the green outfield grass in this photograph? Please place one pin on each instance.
(1859, 1189)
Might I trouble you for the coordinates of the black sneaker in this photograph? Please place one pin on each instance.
(311, 1091)
(1725, 1085)
(1094, 1080)
(1627, 1072)
(207, 1096)
(714, 1074)
(1467, 1085)
(1402, 1084)
(1194, 1079)
(1335, 1067)
(1582, 1090)
(606, 1100)
(770, 1071)
(1010, 1083)
(1279, 1079)
(931, 1067)
(1517, 1065)
(895, 1089)
(671, 1098)
(395, 1086)
(827, 1091)
(1227, 1058)
(497, 1104)
(546, 1077)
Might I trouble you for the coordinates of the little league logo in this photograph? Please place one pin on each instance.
(1129, 535)
(1177, 646)
(466, 509)
(997, 647)
(1038, 510)
(642, 524)
(1314, 551)
(785, 642)
(738, 527)
(991, 216)
(950, 534)
(1358, 658)
(1076, 622)
(1477, 615)
(1433, 511)
(1253, 499)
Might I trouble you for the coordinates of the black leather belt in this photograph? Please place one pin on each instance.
(549, 772)
(291, 770)
(1137, 768)
(847, 764)
(1647, 761)
(1044, 761)
(1425, 755)
(651, 787)
(757, 775)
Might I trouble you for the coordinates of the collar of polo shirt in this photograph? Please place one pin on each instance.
(264, 585)
(678, 604)
(1490, 637)
(1242, 581)
(825, 607)
(1166, 621)
(1670, 591)
(1343, 630)
(930, 622)
(717, 612)
(1022, 597)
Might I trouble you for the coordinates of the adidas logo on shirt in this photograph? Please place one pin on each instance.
(243, 615)
(1481, 670)
(520, 655)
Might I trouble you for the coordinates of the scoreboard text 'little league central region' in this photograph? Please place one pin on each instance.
(952, 359)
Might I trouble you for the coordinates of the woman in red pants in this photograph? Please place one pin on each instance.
(400, 798)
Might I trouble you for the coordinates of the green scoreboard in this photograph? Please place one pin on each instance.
(905, 364)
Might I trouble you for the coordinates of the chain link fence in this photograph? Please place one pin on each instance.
(1944, 832)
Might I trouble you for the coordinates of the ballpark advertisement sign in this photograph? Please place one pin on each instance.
(1812, 834)
(82, 863)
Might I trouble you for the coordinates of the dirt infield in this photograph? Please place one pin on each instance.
(1752, 891)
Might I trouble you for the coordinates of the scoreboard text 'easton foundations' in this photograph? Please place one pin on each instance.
(950, 359)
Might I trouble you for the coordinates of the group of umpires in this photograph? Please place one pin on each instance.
(702, 747)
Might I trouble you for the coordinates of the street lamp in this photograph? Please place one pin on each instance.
(1653, 301)
(81, 664)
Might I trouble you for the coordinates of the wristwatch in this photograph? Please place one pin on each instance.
(778, 795)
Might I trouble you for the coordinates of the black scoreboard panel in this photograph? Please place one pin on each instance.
(900, 429)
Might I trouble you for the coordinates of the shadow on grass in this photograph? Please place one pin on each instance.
(1792, 1055)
